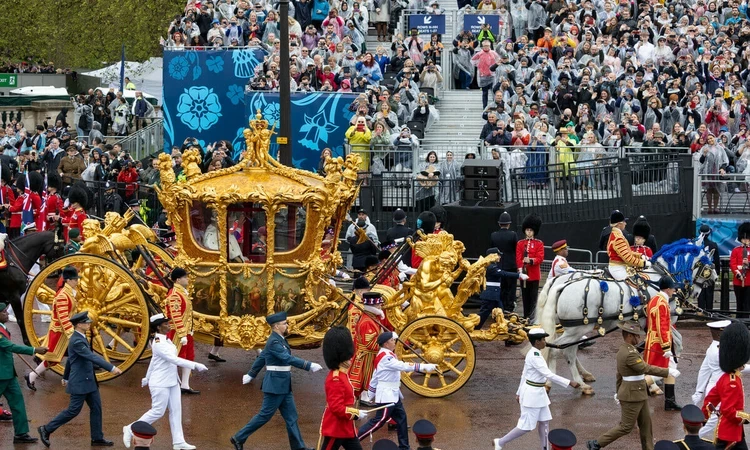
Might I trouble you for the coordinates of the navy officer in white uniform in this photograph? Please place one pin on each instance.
(164, 384)
(532, 394)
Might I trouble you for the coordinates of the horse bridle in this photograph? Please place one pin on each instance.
(17, 260)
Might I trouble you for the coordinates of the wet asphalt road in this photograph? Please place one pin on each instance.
(484, 409)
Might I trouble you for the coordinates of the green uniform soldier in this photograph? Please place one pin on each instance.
(632, 392)
(9, 386)
(74, 241)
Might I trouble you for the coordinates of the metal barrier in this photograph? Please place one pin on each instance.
(149, 207)
(145, 141)
(654, 173)
(721, 194)
(386, 158)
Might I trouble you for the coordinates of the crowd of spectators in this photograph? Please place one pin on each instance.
(31, 67)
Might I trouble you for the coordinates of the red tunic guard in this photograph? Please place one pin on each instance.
(73, 218)
(659, 338)
(534, 249)
(180, 312)
(728, 396)
(339, 415)
(642, 250)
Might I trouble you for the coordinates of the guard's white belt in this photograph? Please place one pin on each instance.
(279, 368)
(492, 283)
(389, 384)
(634, 378)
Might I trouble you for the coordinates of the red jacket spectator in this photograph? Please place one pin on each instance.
(129, 176)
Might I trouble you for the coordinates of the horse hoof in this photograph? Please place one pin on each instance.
(587, 390)
(588, 378)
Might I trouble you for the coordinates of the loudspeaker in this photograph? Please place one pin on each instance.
(482, 183)
(482, 194)
(482, 168)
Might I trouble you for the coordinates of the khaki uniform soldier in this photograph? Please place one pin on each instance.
(632, 393)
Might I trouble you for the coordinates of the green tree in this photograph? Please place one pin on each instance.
(86, 33)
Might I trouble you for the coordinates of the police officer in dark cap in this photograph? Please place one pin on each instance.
(706, 297)
(425, 432)
(399, 231)
(505, 241)
(384, 444)
(561, 439)
(143, 435)
(692, 421)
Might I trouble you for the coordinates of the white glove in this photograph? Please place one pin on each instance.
(362, 415)
(697, 399)
(144, 382)
(647, 264)
(314, 367)
(523, 276)
(365, 395)
(617, 400)
(345, 276)
(428, 368)
(246, 379)
(674, 372)
(200, 367)
(183, 340)
(402, 276)
(668, 354)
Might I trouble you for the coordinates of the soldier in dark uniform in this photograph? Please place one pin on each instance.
(692, 421)
(706, 297)
(425, 432)
(505, 241)
(665, 445)
(399, 230)
(491, 296)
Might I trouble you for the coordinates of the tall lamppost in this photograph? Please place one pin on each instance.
(285, 100)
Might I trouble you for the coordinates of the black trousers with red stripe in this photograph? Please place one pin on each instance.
(395, 412)
(331, 443)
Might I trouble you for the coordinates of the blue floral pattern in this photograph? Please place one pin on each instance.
(272, 113)
(236, 94)
(199, 108)
(179, 68)
(215, 64)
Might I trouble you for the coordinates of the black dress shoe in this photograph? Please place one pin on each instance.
(237, 445)
(29, 384)
(101, 443)
(593, 445)
(190, 391)
(43, 435)
(24, 439)
(216, 358)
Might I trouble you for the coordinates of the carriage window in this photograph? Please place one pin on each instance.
(203, 226)
(246, 233)
(290, 227)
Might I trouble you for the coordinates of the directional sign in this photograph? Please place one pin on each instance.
(8, 80)
(427, 23)
(474, 22)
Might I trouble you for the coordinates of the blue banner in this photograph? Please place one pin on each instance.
(723, 232)
(427, 23)
(204, 95)
(474, 22)
(319, 120)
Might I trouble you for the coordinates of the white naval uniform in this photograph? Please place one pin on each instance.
(534, 400)
(559, 267)
(709, 374)
(385, 384)
(164, 385)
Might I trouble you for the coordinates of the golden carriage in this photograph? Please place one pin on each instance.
(259, 238)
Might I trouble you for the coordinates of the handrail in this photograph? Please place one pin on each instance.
(147, 140)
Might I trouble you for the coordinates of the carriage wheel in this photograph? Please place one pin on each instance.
(113, 299)
(440, 341)
(164, 261)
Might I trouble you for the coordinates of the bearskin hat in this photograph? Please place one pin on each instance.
(426, 222)
(641, 228)
(532, 221)
(734, 347)
(54, 180)
(441, 215)
(7, 174)
(338, 347)
(36, 182)
(78, 195)
(743, 232)
(21, 182)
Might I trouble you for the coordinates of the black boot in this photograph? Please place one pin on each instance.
(593, 445)
(670, 404)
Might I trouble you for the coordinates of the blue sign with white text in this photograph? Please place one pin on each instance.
(427, 23)
(474, 22)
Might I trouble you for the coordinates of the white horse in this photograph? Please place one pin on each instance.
(581, 301)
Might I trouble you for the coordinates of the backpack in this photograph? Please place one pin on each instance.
(83, 122)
